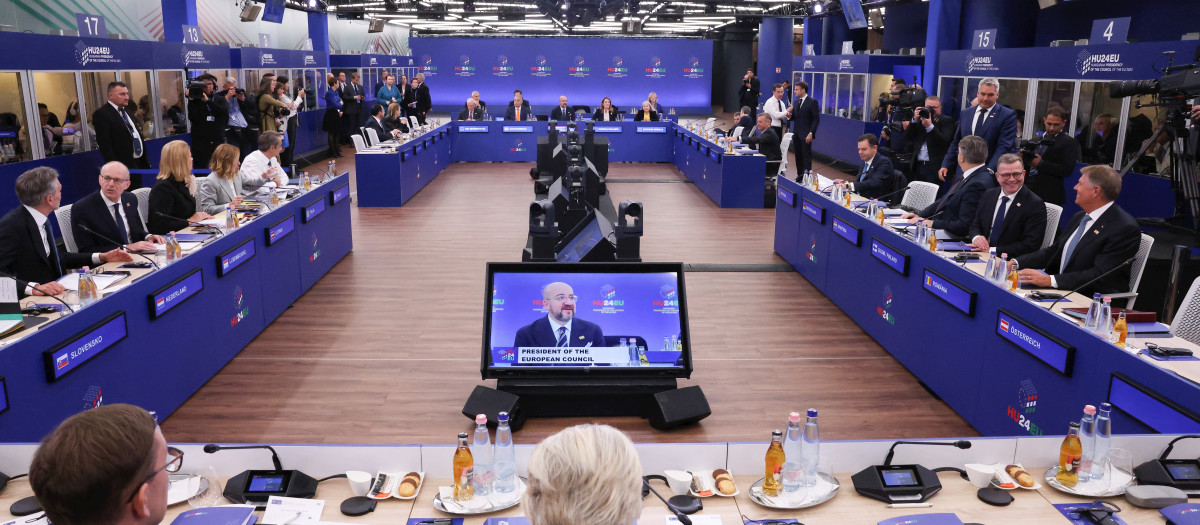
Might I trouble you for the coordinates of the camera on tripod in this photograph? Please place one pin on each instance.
(1182, 83)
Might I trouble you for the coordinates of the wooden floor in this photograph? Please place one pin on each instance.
(385, 349)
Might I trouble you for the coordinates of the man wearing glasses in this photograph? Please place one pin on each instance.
(559, 328)
(110, 215)
(109, 464)
(1011, 218)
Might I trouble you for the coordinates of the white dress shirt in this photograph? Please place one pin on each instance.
(40, 220)
(119, 216)
(1000, 199)
(252, 169)
(555, 325)
(777, 109)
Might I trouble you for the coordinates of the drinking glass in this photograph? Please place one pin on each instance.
(1120, 468)
(210, 485)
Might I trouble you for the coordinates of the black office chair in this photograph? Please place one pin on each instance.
(543, 118)
(898, 181)
(581, 109)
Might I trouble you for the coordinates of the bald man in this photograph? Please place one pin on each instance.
(560, 327)
(111, 214)
(562, 111)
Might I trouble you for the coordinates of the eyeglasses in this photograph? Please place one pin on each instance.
(1015, 175)
(173, 465)
(106, 178)
(561, 297)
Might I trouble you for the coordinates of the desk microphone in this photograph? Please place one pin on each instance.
(21, 282)
(963, 444)
(211, 448)
(1089, 283)
(678, 514)
(85, 228)
(206, 228)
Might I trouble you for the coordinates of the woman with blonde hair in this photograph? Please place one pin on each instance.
(584, 474)
(173, 197)
(395, 119)
(269, 106)
(223, 185)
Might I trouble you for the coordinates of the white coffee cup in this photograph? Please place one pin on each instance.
(980, 475)
(360, 482)
(680, 481)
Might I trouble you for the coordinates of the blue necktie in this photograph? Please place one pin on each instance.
(1071, 244)
(863, 175)
(120, 223)
(999, 222)
(562, 336)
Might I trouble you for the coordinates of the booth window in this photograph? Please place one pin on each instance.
(95, 95)
(171, 91)
(816, 84)
(14, 139)
(1098, 122)
(1013, 94)
(950, 90)
(881, 86)
(63, 131)
(310, 88)
(142, 97)
(858, 85)
(1053, 93)
(843, 95)
(829, 105)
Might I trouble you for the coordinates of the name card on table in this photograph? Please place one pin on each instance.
(407, 154)
(813, 211)
(340, 194)
(312, 210)
(462, 128)
(80, 348)
(1045, 347)
(651, 129)
(715, 155)
(420, 147)
(786, 196)
(174, 294)
(947, 290)
(518, 129)
(1151, 408)
(608, 129)
(281, 229)
(889, 256)
(846, 231)
(228, 261)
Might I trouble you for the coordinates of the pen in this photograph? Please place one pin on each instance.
(909, 505)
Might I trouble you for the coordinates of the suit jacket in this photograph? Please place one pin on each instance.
(1024, 225)
(958, 209)
(767, 143)
(612, 115)
(557, 114)
(477, 114)
(93, 212)
(1109, 241)
(539, 333)
(805, 117)
(203, 129)
(1058, 163)
(113, 138)
(880, 178)
(379, 128)
(172, 198)
(746, 123)
(399, 123)
(998, 129)
(938, 139)
(424, 103)
(350, 105)
(212, 195)
(511, 112)
(22, 254)
(641, 115)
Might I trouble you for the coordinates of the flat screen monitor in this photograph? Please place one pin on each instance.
(599, 304)
(273, 12)
(854, 14)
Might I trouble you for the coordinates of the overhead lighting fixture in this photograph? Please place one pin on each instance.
(818, 8)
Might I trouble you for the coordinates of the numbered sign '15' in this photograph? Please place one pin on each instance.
(90, 25)
(984, 39)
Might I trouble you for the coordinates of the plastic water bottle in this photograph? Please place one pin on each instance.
(481, 453)
(87, 288)
(505, 465)
(793, 450)
(811, 448)
(171, 245)
(1104, 322)
(1087, 438)
(991, 263)
(230, 223)
(1000, 271)
(1103, 440)
(1093, 315)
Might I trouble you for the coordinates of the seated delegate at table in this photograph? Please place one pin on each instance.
(518, 109)
(1097, 239)
(109, 464)
(223, 185)
(110, 213)
(762, 137)
(561, 112)
(262, 166)
(472, 111)
(646, 114)
(375, 122)
(606, 112)
(955, 210)
(744, 121)
(877, 177)
(1011, 218)
(27, 247)
(478, 102)
(172, 199)
(568, 483)
(395, 120)
(559, 327)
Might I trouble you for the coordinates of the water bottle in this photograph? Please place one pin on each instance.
(481, 453)
(87, 288)
(811, 448)
(172, 253)
(505, 457)
(230, 223)
(1104, 321)
(1087, 438)
(991, 263)
(1001, 270)
(1093, 315)
(793, 468)
(1103, 439)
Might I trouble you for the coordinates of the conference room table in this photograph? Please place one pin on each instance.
(1003, 362)
(392, 172)
(156, 336)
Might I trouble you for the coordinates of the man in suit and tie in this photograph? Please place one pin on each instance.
(473, 111)
(928, 139)
(805, 116)
(110, 214)
(424, 103)
(995, 124)
(744, 121)
(955, 210)
(762, 137)
(777, 108)
(1052, 164)
(27, 247)
(352, 103)
(1011, 218)
(750, 91)
(518, 109)
(375, 122)
(117, 130)
(876, 177)
(1098, 239)
(561, 112)
(560, 327)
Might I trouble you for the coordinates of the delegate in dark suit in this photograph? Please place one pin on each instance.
(876, 179)
(511, 112)
(424, 103)
(93, 212)
(558, 114)
(539, 333)
(1024, 225)
(169, 197)
(22, 253)
(959, 206)
(998, 129)
(1058, 163)
(937, 143)
(115, 141)
(352, 107)
(475, 115)
(1108, 241)
(767, 143)
(747, 125)
(380, 130)
(805, 119)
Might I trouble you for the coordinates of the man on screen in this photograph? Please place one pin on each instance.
(559, 328)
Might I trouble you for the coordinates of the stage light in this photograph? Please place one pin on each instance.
(469, 6)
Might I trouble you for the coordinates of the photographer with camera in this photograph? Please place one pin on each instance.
(208, 117)
(749, 92)
(928, 137)
(237, 107)
(901, 102)
(1051, 158)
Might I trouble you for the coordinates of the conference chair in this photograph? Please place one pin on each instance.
(143, 197)
(63, 215)
(363, 131)
(710, 123)
(783, 162)
(372, 136)
(1187, 319)
(359, 144)
(1135, 274)
(1053, 214)
(919, 195)
(581, 109)
(737, 132)
(412, 121)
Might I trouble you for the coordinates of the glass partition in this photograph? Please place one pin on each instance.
(880, 86)
(57, 96)
(14, 139)
(1097, 122)
(322, 86)
(172, 92)
(816, 84)
(1140, 128)
(311, 86)
(858, 86)
(249, 80)
(146, 110)
(829, 106)
(1053, 93)
(950, 91)
(843, 95)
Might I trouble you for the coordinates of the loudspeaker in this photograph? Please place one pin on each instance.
(250, 12)
(376, 26)
(492, 402)
(673, 408)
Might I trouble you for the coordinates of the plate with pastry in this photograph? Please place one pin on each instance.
(409, 486)
(719, 482)
(1011, 477)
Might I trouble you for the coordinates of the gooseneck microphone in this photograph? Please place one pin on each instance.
(21, 282)
(211, 448)
(85, 228)
(678, 514)
(1127, 262)
(963, 444)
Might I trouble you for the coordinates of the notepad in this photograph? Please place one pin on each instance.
(70, 281)
(192, 237)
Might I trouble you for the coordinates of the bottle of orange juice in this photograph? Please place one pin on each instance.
(462, 461)
(1069, 456)
(1121, 329)
(771, 481)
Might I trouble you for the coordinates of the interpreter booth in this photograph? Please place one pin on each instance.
(305, 71)
(371, 67)
(55, 84)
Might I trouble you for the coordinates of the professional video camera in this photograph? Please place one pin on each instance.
(1028, 148)
(195, 90)
(1182, 84)
(903, 102)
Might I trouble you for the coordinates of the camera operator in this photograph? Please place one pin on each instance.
(903, 100)
(237, 127)
(207, 115)
(750, 92)
(928, 137)
(1051, 159)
